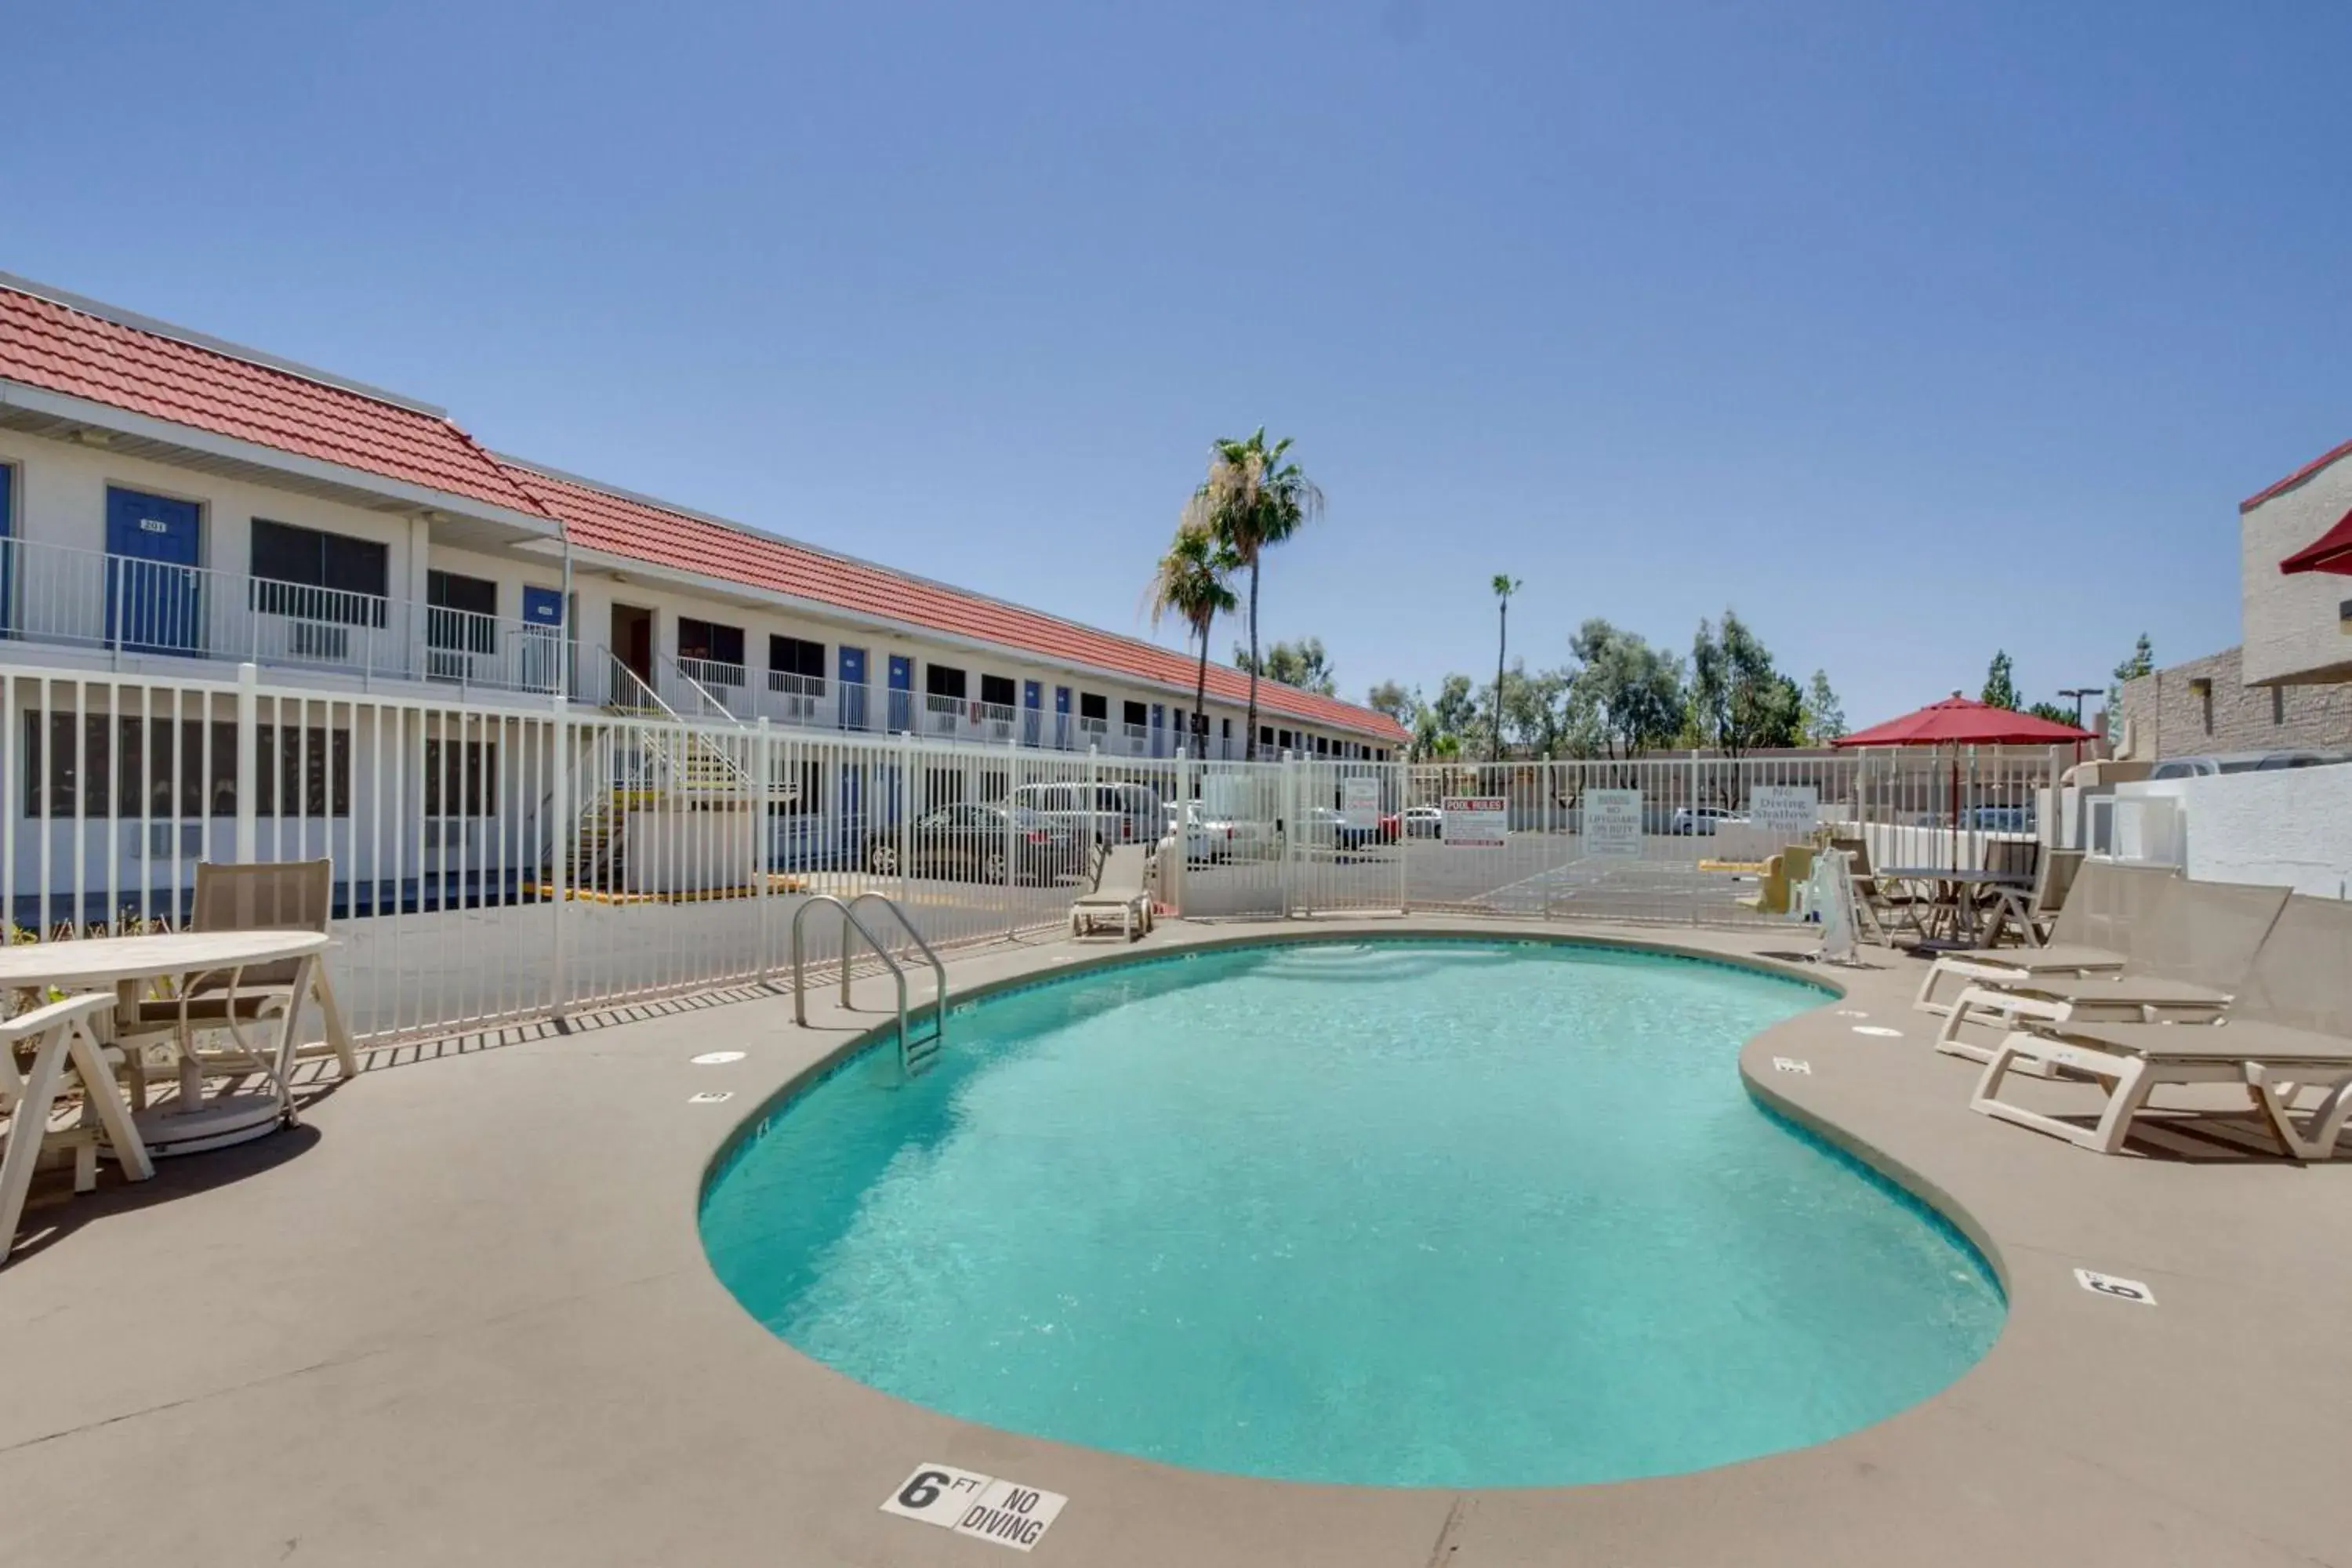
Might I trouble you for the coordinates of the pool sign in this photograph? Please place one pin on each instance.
(1479, 820)
(1359, 802)
(1612, 822)
(1005, 1512)
(1788, 811)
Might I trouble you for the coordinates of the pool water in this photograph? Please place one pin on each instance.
(1423, 1213)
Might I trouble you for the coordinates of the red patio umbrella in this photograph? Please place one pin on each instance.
(1958, 722)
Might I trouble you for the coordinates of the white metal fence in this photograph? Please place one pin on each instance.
(498, 864)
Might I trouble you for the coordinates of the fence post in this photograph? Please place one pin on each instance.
(561, 825)
(762, 786)
(1403, 783)
(1186, 816)
(248, 770)
(1012, 841)
(903, 805)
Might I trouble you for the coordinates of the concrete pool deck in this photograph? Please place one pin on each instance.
(463, 1316)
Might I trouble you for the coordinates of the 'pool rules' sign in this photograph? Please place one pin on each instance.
(1005, 1512)
(1612, 822)
(1476, 819)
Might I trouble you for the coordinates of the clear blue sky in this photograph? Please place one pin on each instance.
(1909, 331)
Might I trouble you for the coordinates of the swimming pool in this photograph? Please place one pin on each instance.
(1408, 1213)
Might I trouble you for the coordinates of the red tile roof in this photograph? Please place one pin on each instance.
(60, 348)
(599, 519)
(2295, 477)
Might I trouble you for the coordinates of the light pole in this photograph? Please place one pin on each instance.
(2078, 693)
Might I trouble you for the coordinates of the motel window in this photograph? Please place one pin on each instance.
(713, 645)
(997, 690)
(796, 656)
(1131, 713)
(1092, 705)
(307, 573)
(1265, 734)
(178, 769)
(458, 611)
(461, 779)
(1322, 745)
(943, 680)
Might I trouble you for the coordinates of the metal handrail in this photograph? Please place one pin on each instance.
(898, 973)
(939, 970)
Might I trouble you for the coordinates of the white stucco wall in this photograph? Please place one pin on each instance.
(2292, 827)
(2292, 626)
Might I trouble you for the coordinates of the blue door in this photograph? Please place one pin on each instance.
(902, 693)
(850, 665)
(1033, 700)
(152, 602)
(1061, 717)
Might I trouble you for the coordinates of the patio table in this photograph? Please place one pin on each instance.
(1950, 890)
(103, 963)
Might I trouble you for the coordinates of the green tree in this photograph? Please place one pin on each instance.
(1442, 724)
(1504, 586)
(1189, 583)
(1253, 499)
(1738, 702)
(2000, 687)
(2141, 662)
(1824, 718)
(1536, 708)
(1392, 698)
(2056, 712)
(1631, 693)
(1303, 664)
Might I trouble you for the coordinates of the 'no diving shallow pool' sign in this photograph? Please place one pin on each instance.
(970, 1503)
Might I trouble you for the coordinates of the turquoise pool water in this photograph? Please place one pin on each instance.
(1407, 1214)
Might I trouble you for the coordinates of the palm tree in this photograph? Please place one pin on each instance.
(1252, 500)
(1505, 586)
(1189, 583)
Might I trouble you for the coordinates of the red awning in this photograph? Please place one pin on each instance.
(2331, 552)
(1960, 720)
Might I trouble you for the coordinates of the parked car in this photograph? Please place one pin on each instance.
(1703, 820)
(1423, 821)
(2003, 818)
(1096, 813)
(2235, 762)
(969, 842)
(1210, 839)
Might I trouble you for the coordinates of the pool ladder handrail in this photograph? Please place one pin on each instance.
(913, 1055)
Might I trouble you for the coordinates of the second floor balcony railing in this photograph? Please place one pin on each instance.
(125, 606)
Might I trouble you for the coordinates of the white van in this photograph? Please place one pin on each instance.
(1098, 812)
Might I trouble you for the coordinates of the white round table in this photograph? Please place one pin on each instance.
(101, 963)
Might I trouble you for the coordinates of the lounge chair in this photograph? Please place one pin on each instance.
(1122, 889)
(280, 895)
(2092, 934)
(2189, 959)
(2290, 1028)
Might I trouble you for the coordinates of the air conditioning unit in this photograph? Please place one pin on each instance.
(309, 640)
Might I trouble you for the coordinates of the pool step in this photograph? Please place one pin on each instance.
(917, 1054)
